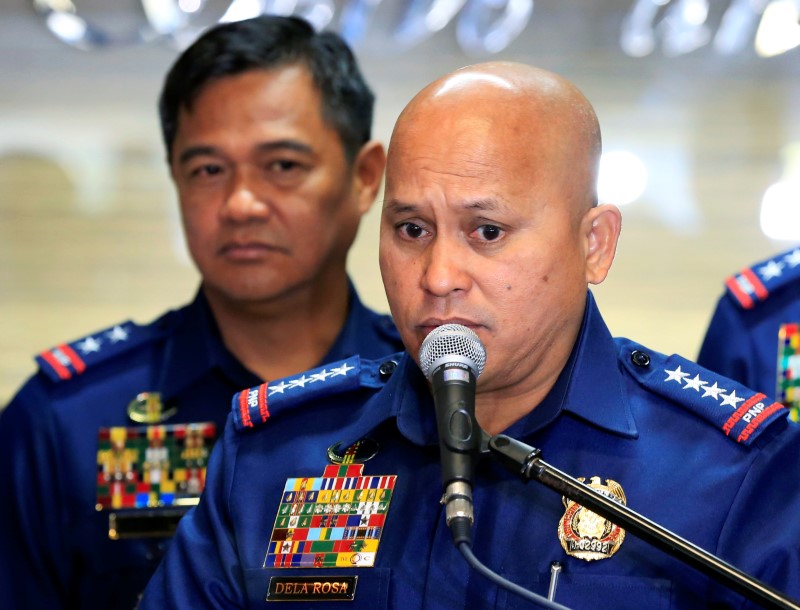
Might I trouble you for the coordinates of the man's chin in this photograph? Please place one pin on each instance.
(246, 293)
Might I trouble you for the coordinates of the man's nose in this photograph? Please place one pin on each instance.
(244, 202)
(447, 267)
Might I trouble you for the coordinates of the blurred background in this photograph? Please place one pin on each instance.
(699, 102)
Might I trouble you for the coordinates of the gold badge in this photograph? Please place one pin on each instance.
(585, 534)
(147, 408)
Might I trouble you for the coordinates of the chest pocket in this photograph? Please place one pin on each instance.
(587, 591)
(371, 588)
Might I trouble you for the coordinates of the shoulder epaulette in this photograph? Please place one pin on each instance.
(256, 405)
(754, 284)
(739, 412)
(69, 360)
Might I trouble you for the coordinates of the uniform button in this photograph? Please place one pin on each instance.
(386, 369)
(640, 358)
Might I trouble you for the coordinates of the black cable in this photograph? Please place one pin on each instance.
(530, 596)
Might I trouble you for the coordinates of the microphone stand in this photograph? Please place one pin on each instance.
(524, 460)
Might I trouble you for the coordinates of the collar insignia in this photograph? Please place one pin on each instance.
(357, 453)
(332, 521)
(586, 535)
(147, 408)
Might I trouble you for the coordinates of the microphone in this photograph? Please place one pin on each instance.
(452, 357)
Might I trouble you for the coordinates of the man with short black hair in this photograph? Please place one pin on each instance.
(267, 126)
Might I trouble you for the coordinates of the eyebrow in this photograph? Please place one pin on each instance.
(480, 205)
(199, 151)
(398, 207)
(489, 205)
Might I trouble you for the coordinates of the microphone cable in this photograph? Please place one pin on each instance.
(452, 357)
(522, 592)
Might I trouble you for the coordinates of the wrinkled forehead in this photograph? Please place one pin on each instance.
(498, 144)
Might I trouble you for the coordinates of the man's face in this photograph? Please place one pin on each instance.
(476, 231)
(269, 204)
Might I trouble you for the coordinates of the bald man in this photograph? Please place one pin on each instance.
(490, 222)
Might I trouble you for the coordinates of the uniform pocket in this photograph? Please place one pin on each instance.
(590, 591)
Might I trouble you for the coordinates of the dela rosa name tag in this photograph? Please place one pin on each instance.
(311, 588)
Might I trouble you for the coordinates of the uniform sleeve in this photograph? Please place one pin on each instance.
(727, 346)
(34, 560)
(201, 569)
(761, 535)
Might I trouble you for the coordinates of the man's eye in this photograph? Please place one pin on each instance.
(283, 166)
(490, 232)
(411, 230)
(207, 170)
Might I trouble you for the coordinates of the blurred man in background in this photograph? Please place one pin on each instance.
(754, 334)
(267, 127)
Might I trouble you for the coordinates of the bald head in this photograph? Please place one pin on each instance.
(547, 127)
(490, 220)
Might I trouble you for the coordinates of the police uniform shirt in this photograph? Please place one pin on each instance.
(55, 550)
(697, 453)
(742, 338)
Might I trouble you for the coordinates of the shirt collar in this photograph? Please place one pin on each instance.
(595, 391)
(350, 336)
(589, 387)
(194, 348)
(406, 399)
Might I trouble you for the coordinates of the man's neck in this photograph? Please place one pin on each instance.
(280, 338)
(497, 411)
(497, 408)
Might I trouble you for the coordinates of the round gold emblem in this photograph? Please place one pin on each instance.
(147, 408)
(585, 534)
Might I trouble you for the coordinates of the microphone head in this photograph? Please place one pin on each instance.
(452, 342)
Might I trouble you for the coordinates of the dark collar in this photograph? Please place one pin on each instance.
(595, 390)
(195, 348)
(589, 387)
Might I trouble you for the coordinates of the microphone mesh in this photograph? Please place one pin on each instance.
(452, 340)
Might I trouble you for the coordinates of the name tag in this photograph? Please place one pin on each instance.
(311, 588)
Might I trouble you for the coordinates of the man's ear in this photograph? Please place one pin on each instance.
(601, 226)
(367, 173)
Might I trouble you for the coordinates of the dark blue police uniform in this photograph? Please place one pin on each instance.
(55, 550)
(697, 453)
(742, 340)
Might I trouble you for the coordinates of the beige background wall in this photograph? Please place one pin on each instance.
(89, 233)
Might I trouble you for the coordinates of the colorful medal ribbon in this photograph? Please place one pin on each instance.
(789, 368)
(332, 521)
